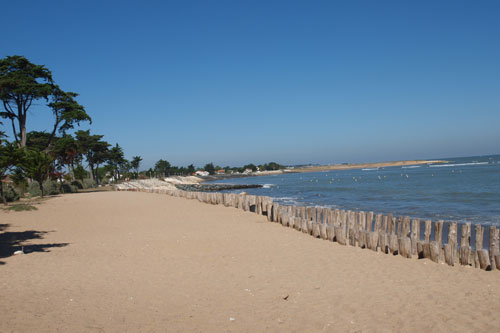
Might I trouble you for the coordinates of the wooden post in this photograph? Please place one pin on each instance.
(258, 205)
(438, 232)
(434, 251)
(393, 243)
(406, 227)
(427, 232)
(369, 221)
(494, 241)
(465, 248)
(330, 232)
(405, 247)
(415, 235)
(316, 231)
(484, 259)
(323, 230)
(303, 225)
(372, 240)
(451, 248)
(361, 232)
(378, 222)
(479, 236)
(385, 224)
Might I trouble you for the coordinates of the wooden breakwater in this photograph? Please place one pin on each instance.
(442, 242)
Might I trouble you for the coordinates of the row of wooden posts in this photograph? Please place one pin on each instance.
(385, 233)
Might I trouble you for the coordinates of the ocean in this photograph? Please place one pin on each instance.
(466, 189)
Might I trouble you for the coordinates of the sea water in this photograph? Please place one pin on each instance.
(465, 189)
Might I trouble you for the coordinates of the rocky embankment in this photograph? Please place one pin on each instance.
(214, 187)
(189, 183)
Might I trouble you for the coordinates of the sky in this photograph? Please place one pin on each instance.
(295, 82)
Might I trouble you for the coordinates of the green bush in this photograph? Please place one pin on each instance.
(50, 187)
(77, 184)
(34, 189)
(11, 194)
(69, 188)
(88, 183)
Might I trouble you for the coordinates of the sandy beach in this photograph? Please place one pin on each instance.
(141, 262)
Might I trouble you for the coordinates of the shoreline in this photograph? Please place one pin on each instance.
(320, 168)
(367, 165)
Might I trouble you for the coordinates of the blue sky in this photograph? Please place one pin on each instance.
(233, 82)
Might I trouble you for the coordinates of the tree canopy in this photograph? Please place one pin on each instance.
(21, 84)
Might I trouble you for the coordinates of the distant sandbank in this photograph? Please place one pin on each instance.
(364, 165)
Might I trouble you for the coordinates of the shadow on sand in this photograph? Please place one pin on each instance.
(11, 242)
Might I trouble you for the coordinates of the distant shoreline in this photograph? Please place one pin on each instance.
(365, 165)
(320, 168)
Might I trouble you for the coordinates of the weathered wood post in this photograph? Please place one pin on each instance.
(451, 248)
(484, 259)
(438, 238)
(465, 248)
(415, 235)
(427, 232)
(494, 243)
(340, 229)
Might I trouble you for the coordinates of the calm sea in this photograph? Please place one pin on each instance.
(466, 189)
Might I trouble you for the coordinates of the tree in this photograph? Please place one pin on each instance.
(210, 168)
(65, 151)
(37, 166)
(162, 167)
(136, 162)
(67, 112)
(80, 172)
(10, 156)
(37, 140)
(190, 169)
(22, 83)
(250, 166)
(95, 151)
(116, 160)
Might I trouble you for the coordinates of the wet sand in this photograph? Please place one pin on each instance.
(139, 262)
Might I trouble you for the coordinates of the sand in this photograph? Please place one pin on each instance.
(318, 168)
(139, 262)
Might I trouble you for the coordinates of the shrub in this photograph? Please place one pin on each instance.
(88, 183)
(11, 194)
(50, 187)
(34, 189)
(77, 184)
(69, 188)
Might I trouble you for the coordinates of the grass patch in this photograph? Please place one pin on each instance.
(21, 208)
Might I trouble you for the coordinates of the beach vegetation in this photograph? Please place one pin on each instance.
(117, 162)
(10, 194)
(22, 85)
(80, 173)
(21, 208)
(162, 168)
(209, 167)
(10, 156)
(94, 149)
(135, 164)
(37, 166)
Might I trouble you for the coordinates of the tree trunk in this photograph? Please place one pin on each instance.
(4, 200)
(96, 175)
(91, 166)
(22, 127)
(40, 183)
